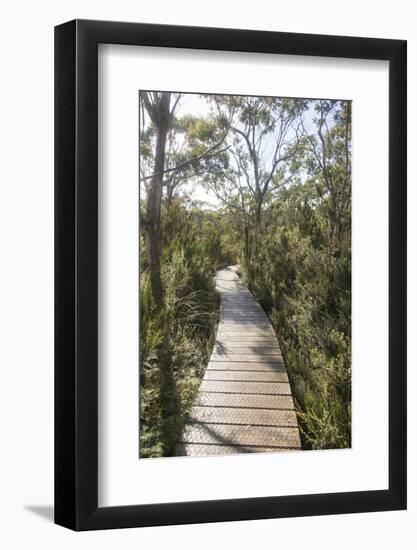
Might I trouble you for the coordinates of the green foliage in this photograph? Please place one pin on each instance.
(307, 296)
(176, 341)
(206, 238)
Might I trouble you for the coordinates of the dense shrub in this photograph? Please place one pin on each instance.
(307, 297)
(176, 341)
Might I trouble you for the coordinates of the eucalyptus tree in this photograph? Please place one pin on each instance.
(195, 148)
(173, 150)
(264, 136)
(229, 188)
(160, 108)
(328, 161)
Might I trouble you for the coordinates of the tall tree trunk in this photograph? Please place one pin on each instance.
(246, 248)
(153, 214)
(169, 194)
(256, 230)
(153, 207)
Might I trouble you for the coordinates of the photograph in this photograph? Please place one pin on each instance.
(245, 274)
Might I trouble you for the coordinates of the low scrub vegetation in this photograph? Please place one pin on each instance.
(306, 294)
(177, 339)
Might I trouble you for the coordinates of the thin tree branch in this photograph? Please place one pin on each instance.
(182, 165)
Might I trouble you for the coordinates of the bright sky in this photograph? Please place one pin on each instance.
(197, 105)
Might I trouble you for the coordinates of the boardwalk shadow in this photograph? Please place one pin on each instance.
(220, 348)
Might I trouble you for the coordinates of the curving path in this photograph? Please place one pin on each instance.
(244, 403)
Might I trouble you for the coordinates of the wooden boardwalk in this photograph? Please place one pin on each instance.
(244, 403)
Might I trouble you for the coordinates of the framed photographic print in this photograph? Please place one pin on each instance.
(230, 248)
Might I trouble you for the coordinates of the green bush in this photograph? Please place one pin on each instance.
(306, 294)
(176, 342)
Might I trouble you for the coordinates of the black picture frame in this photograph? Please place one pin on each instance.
(76, 272)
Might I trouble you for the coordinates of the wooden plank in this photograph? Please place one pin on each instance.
(248, 436)
(244, 400)
(247, 310)
(186, 449)
(254, 358)
(248, 315)
(246, 375)
(221, 349)
(265, 366)
(247, 417)
(252, 340)
(247, 330)
(243, 343)
(249, 322)
(265, 388)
